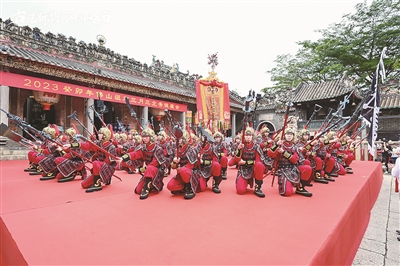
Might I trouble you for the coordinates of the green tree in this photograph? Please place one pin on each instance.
(353, 45)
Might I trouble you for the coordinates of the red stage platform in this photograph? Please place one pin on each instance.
(50, 223)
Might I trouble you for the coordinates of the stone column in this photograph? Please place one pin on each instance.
(146, 115)
(89, 102)
(233, 126)
(4, 103)
(183, 119)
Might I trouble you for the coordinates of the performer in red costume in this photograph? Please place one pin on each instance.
(184, 181)
(72, 163)
(155, 162)
(49, 151)
(345, 156)
(327, 144)
(289, 173)
(165, 143)
(221, 152)
(308, 151)
(129, 166)
(251, 167)
(103, 164)
(233, 149)
(44, 153)
(208, 165)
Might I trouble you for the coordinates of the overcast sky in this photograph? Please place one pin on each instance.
(248, 35)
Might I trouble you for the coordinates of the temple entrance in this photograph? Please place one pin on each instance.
(270, 126)
(35, 116)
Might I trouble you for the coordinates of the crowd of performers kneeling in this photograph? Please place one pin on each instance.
(296, 160)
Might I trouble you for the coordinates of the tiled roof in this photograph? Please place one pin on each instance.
(319, 91)
(56, 60)
(390, 100)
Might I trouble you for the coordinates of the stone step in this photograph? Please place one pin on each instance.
(13, 157)
(7, 154)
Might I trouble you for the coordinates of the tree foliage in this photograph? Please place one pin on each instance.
(353, 45)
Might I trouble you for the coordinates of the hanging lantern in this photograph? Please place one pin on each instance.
(46, 99)
(157, 113)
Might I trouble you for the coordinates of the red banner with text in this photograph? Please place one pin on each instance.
(51, 86)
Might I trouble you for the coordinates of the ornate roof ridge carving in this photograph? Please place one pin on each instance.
(91, 53)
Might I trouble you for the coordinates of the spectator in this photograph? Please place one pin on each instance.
(386, 152)
(396, 174)
(395, 153)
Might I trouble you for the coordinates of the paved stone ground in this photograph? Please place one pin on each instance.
(380, 245)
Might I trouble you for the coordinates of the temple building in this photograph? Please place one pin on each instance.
(46, 77)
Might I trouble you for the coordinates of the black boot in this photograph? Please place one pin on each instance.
(333, 175)
(328, 177)
(38, 171)
(319, 179)
(47, 176)
(215, 186)
(301, 190)
(223, 173)
(67, 178)
(31, 168)
(146, 188)
(308, 184)
(257, 189)
(96, 186)
(349, 170)
(189, 194)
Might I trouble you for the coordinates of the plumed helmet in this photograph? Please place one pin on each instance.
(163, 134)
(264, 130)
(195, 138)
(249, 131)
(185, 136)
(238, 136)
(46, 130)
(304, 132)
(70, 132)
(149, 132)
(52, 132)
(218, 134)
(123, 137)
(289, 130)
(116, 136)
(106, 133)
(330, 134)
(137, 138)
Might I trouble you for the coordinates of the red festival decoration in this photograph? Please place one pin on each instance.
(213, 103)
(57, 87)
(212, 99)
(46, 99)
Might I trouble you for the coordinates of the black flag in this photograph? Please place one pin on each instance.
(371, 106)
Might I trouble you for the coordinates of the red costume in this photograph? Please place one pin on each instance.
(251, 167)
(289, 173)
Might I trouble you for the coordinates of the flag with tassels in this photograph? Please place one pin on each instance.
(370, 112)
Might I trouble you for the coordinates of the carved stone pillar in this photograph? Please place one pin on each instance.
(91, 113)
(146, 115)
(233, 125)
(4, 103)
(183, 119)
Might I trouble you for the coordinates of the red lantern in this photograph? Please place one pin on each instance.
(157, 113)
(46, 99)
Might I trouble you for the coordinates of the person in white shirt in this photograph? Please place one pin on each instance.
(396, 174)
